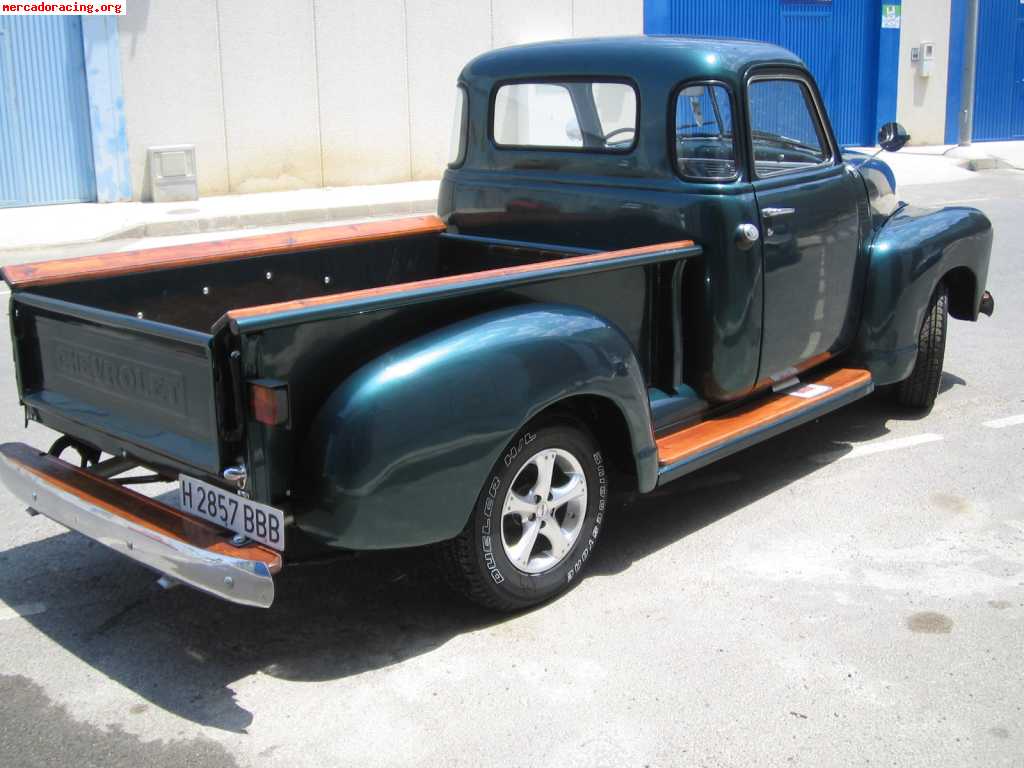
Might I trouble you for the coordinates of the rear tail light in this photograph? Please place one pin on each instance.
(268, 402)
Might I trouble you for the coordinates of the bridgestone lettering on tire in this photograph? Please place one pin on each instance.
(920, 388)
(536, 522)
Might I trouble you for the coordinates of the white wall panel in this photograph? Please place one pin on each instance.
(921, 101)
(170, 70)
(270, 99)
(596, 18)
(285, 94)
(364, 93)
(443, 35)
(527, 21)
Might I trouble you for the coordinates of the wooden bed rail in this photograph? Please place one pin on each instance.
(194, 254)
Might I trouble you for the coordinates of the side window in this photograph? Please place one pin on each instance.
(584, 115)
(705, 144)
(460, 124)
(785, 130)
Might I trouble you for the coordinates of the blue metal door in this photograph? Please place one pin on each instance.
(45, 141)
(837, 39)
(1000, 71)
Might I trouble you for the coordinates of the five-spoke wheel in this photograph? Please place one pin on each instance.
(543, 512)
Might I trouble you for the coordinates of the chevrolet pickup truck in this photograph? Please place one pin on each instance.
(649, 253)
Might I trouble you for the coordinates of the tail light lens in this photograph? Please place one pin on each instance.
(268, 402)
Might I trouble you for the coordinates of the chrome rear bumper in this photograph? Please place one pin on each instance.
(186, 549)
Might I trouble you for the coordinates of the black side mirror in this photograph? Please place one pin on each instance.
(892, 137)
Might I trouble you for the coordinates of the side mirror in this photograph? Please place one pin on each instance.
(892, 137)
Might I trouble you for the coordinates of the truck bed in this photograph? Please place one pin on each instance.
(142, 353)
(191, 287)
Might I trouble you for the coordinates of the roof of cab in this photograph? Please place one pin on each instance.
(634, 56)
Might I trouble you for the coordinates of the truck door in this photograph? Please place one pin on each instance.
(809, 218)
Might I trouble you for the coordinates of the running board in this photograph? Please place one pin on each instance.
(696, 446)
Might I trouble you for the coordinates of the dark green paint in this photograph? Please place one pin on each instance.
(916, 249)
(398, 454)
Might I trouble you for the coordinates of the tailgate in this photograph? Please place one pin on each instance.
(122, 383)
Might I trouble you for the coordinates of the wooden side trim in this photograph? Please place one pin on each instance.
(166, 257)
(763, 412)
(441, 282)
(130, 505)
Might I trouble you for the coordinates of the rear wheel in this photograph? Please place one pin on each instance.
(535, 522)
(922, 386)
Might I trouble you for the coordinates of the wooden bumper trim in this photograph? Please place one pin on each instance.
(141, 510)
(167, 257)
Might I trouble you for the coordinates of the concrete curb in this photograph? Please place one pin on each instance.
(54, 227)
(200, 224)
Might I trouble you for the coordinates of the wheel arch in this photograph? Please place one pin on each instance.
(911, 254)
(608, 425)
(962, 284)
(398, 454)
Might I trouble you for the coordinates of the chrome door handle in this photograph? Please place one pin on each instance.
(770, 213)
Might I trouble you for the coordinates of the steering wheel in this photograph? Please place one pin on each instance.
(617, 131)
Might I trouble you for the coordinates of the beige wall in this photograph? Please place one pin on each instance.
(172, 86)
(286, 94)
(921, 101)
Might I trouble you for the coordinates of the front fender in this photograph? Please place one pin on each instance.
(910, 254)
(400, 451)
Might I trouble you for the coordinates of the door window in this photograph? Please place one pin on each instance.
(705, 148)
(785, 130)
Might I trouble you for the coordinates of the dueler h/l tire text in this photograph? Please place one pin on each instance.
(536, 521)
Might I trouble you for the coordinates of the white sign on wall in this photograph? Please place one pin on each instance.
(891, 15)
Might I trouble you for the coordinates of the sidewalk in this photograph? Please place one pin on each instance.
(24, 229)
(32, 231)
(947, 162)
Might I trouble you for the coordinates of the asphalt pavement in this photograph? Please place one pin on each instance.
(849, 593)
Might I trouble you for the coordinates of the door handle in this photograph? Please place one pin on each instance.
(770, 213)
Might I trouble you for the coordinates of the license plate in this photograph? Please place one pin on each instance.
(258, 522)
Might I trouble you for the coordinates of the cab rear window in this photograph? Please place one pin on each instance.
(580, 115)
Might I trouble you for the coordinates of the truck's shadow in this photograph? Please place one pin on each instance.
(182, 650)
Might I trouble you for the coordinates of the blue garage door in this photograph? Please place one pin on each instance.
(999, 87)
(838, 40)
(45, 142)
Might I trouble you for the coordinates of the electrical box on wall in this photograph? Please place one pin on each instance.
(172, 173)
(927, 59)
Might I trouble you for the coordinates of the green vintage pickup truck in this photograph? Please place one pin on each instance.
(649, 253)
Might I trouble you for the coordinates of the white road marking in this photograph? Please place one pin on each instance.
(964, 200)
(897, 444)
(1009, 421)
(25, 609)
(881, 446)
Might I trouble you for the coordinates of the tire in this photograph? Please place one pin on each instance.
(920, 388)
(493, 562)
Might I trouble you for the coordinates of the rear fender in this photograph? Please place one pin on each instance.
(400, 451)
(911, 253)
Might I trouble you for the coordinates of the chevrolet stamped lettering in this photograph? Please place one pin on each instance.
(121, 377)
(649, 253)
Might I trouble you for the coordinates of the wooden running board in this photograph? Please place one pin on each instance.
(695, 446)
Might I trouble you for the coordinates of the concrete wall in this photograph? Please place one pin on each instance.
(286, 94)
(921, 101)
